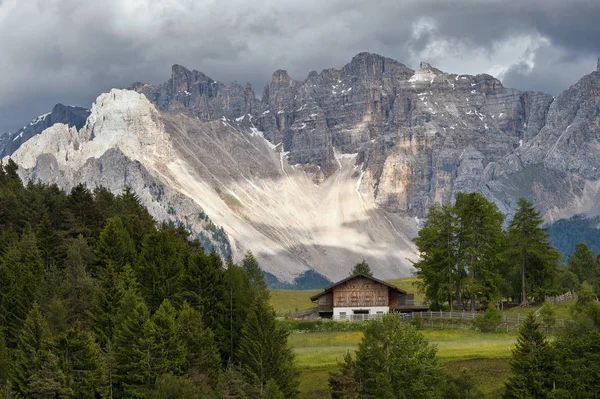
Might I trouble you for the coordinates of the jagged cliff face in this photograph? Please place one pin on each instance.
(321, 173)
(69, 115)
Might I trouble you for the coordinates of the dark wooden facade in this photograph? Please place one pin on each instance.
(361, 291)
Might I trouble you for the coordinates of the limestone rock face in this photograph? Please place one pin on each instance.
(322, 172)
(197, 93)
(71, 116)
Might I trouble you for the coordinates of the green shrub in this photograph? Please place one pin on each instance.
(417, 321)
(489, 320)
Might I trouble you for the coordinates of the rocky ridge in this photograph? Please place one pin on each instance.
(69, 115)
(320, 173)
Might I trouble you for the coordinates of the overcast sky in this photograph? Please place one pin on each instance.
(69, 51)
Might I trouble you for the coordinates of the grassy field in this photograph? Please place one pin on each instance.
(287, 301)
(563, 309)
(484, 354)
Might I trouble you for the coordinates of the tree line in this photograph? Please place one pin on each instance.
(99, 300)
(467, 258)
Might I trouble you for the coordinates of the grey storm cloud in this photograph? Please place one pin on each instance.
(69, 51)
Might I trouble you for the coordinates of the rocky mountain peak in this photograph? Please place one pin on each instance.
(346, 159)
(370, 65)
(66, 114)
(282, 79)
(426, 67)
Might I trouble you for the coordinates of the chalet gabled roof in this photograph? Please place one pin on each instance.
(327, 290)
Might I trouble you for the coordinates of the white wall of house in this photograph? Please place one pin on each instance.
(350, 311)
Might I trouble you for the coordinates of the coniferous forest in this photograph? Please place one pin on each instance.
(98, 300)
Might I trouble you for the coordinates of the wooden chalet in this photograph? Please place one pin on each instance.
(363, 295)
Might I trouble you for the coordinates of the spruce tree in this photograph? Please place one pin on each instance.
(529, 246)
(83, 208)
(128, 334)
(238, 295)
(5, 360)
(272, 391)
(83, 363)
(530, 364)
(163, 347)
(51, 245)
(202, 356)
(160, 268)
(255, 275)
(35, 369)
(438, 267)
(106, 304)
(361, 268)
(576, 350)
(78, 287)
(343, 383)
(394, 360)
(264, 352)
(235, 385)
(206, 287)
(114, 245)
(135, 216)
(582, 262)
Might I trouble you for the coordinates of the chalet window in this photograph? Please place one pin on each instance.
(379, 312)
(342, 315)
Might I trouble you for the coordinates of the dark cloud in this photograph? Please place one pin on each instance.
(71, 50)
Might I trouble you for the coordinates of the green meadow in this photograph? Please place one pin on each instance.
(485, 355)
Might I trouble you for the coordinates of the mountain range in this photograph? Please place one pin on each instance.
(317, 174)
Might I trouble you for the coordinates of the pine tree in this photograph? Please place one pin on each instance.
(78, 287)
(5, 360)
(530, 364)
(83, 208)
(576, 350)
(51, 245)
(234, 384)
(395, 361)
(164, 348)
(82, 363)
(106, 304)
(264, 352)
(480, 237)
(128, 334)
(161, 268)
(114, 245)
(202, 352)
(57, 314)
(272, 391)
(238, 296)
(172, 387)
(255, 275)
(136, 218)
(461, 386)
(14, 302)
(35, 370)
(362, 268)
(343, 383)
(438, 267)
(582, 262)
(21, 275)
(206, 287)
(157, 350)
(529, 245)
